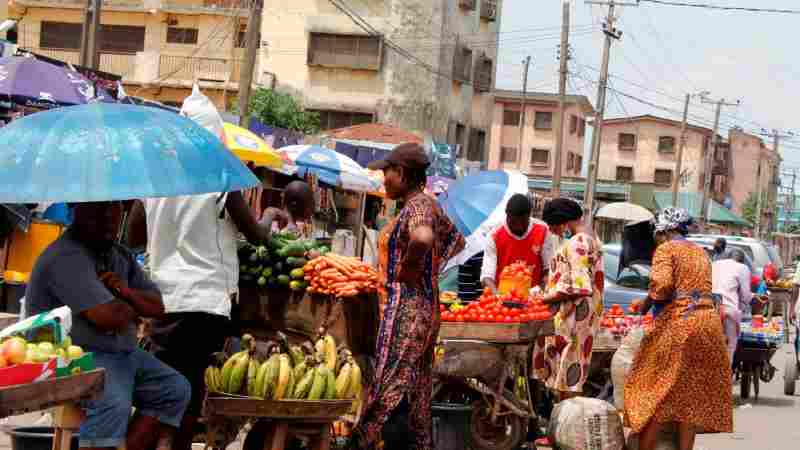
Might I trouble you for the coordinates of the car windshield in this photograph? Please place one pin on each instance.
(611, 264)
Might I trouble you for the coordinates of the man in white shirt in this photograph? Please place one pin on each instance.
(731, 281)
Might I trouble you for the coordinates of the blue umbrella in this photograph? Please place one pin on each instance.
(25, 80)
(102, 152)
(330, 166)
(476, 205)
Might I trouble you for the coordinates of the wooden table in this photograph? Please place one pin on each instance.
(497, 333)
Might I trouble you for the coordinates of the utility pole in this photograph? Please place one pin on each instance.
(776, 137)
(252, 38)
(562, 99)
(676, 179)
(709, 159)
(527, 63)
(594, 160)
(91, 27)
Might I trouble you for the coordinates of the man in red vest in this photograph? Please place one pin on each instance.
(518, 239)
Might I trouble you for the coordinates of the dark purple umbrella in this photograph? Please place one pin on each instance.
(26, 81)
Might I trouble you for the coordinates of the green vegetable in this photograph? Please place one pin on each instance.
(310, 244)
(297, 285)
(282, 252)
(286, 235)
(276, 243)
(294, 249)
(297, 274)
(324, 249)
(283, 280)
(262, 281)
(267, 272)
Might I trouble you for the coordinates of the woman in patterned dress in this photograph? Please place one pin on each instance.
(575, 290)
(681, 374)
(414, 247)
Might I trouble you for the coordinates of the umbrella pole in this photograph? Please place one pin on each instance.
(360, 226)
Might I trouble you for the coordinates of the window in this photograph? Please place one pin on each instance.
(462, 64)
(666, 144)
(570, 161)
(60, 35)
(508, 154)
(573, 124)
(578, 164)
(477, 142)
(663, 176)
(468, 5)
(543, 121)
(511, 118)
(582, 127)
(627, 141)
(483, 74)
(121, 38)
(624, 173)
(331, 120)
(181, 35)
(241, 37)
(344, 51)
(540, 157)
(461, 133)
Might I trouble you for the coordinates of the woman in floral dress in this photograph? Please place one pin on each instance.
(681, 374)
(575, 291)
(414, 247)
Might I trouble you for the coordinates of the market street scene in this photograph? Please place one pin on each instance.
(399, 225)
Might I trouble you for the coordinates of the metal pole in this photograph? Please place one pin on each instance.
(246, 79)
(676, 179)
(527, 63)
(591, 185)
(562, 97)
(758, 196)
(89, 41)
(708, 167)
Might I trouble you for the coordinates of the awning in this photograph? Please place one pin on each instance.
(691, 201)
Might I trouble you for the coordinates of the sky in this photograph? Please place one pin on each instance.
(665, 53)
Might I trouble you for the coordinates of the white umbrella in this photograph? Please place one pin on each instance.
(629, 212)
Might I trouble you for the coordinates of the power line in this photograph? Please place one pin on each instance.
(721, 7)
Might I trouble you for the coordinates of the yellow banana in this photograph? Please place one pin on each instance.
(355, 381)
(343, 381)
(283, 377)
(252, 371)
(329, 350)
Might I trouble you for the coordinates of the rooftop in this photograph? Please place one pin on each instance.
(544, 97)
(375, 132)
(650, 117)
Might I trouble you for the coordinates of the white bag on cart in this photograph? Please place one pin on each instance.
(622, 362)
(199, 108)
(586, 424)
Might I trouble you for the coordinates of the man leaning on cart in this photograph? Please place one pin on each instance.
(108, 292)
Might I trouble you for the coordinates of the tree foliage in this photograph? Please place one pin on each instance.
(282, 110)
(750, 206)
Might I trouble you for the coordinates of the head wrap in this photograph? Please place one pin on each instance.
(673, 219)
(561, 210)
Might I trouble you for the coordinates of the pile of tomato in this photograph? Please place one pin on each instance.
(517, 270)
(616, 321)
(495, 308)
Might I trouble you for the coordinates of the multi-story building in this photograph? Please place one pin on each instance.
(159, 47)
(428, 67)
(643, 149)
(753, 163)
(538, 133)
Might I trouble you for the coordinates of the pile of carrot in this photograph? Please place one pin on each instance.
(340, 276)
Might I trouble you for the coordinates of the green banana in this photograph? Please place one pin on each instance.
(304, 385)
(298, 357)
(252, 371)
(270, 376)
(330, 385)
(238, 374)
(318, 387)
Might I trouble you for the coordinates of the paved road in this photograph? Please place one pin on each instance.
(773, 423)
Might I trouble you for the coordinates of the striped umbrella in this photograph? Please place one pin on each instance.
(329, 166)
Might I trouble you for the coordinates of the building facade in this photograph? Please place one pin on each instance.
(428, 67)
(160, 48)
(753, 162)
(536, 158)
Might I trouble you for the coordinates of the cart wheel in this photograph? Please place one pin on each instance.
(506, 435)
(790, 376)
(744, 385)
(756, 380)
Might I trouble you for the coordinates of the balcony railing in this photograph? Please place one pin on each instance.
(123, 4)
(122, 64)
(196, 68)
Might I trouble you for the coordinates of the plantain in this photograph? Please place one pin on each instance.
(342, 384)
(239, 374)
(298, 357)
(355, 381)
(318, 386)
(329, 351)
(210, 379)
(270, 369)
(285, 368)
(252, 371)
(290, 385)
(304, 385)
(330, 385)
(300, 370)
(341, 358)
(227, 369)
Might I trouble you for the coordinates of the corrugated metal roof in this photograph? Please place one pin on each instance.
(691, 201)
(544, 184)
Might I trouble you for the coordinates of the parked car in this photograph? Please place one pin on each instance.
(760, 253)
(625, 286)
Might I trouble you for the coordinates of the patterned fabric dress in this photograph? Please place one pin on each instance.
(682, 372)
(561, 361)
(409, 324)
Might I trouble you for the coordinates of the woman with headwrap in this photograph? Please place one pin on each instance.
(682, 372)
(575, 291)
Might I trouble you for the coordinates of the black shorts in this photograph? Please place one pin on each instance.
(186, 342)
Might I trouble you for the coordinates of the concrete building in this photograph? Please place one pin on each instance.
(159, 47)
(441, 88)
(538, 143)
(752, 162)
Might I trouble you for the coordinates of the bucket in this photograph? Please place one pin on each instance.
(36, 438)
(451, 426)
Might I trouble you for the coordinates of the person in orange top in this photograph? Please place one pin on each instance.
(519, 239)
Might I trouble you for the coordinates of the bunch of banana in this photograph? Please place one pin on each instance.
(213, 378)
(326, 347)
(348, 381)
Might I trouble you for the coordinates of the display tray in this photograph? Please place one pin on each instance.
(24, 398)
(307, 410)
(500, 333)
